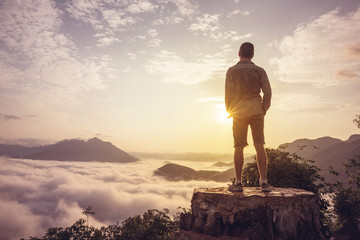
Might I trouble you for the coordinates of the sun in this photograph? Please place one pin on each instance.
(222, 113)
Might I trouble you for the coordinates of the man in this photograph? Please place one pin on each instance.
(244, 83)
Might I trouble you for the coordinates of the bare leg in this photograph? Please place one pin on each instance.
(238, 162)
(261, 160)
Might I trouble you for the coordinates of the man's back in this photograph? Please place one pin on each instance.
(244, 82)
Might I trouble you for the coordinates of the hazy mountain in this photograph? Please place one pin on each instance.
(326, 152)
(175, 172)
(190, 156)
(306, 148)
(18, 150)
(231, 163)
(223, 164)
(79, 150)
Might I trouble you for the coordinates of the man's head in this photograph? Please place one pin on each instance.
(246, 50)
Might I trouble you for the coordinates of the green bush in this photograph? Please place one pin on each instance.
(153, 225)
(286, 170)
(291, 171)
(347, 199)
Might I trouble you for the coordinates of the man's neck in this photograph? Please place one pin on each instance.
(245, 59)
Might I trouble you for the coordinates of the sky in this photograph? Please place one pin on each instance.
(149, 75)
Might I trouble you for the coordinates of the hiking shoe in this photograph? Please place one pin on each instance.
(265, 187)
(236, 187)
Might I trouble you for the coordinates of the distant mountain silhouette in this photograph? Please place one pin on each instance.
(326, 152)
(72, 150)
(175, 172)
(190, 156)
(223, 164)
(18, 150)
(231, 163)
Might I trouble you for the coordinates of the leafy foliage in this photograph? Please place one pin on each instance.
(357, 120)
(347, 199)
(286, 170)
(88, 211)
(290, 171)
(153, 225)
(352, 170)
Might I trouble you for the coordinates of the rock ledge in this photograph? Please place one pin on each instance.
(283, 213)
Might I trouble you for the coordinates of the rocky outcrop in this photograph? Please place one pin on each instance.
(283, 213)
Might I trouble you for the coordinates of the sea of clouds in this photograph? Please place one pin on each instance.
(36, 195)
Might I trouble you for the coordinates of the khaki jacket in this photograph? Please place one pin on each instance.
(243, 85)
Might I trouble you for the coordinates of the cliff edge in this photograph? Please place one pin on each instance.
(283, 213)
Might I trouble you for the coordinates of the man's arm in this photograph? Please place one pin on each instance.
(266, 89)
(228, 92)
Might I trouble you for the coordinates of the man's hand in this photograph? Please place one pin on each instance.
(264, 111)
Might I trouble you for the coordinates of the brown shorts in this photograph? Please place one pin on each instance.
(240, 129)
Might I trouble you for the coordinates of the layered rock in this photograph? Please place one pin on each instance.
(283, 213)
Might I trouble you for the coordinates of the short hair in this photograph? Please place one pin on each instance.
(246, 50)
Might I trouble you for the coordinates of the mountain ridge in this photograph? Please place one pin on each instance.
(71, 150)
(326, 151)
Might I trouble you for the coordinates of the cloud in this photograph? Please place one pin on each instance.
(40, 60)
(52, 193)
(308, 102)
(9, 117)
(172, 68)
(120, 15)
(212, 99)
(206, 23)
(108, 19)
(21, 223)
(344, 74)
(172, 19)
(27, 142)
(354, 51)
(116, 19)
(175, 11)
(109, 16)
(152, 32)
(235, 37)
(132, 56)
(141, 6)
(154, 41)
(104, 40)
(85, 11)
(103, 136)
(186, 7)
(209, 26)
(323, 52)
(14, 117)
(238, 12)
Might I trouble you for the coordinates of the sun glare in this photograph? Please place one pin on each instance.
(222, 113)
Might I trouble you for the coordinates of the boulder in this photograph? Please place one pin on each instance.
(283, 213)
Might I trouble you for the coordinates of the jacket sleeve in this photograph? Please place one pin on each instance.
(228, 92)
(266, 89)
